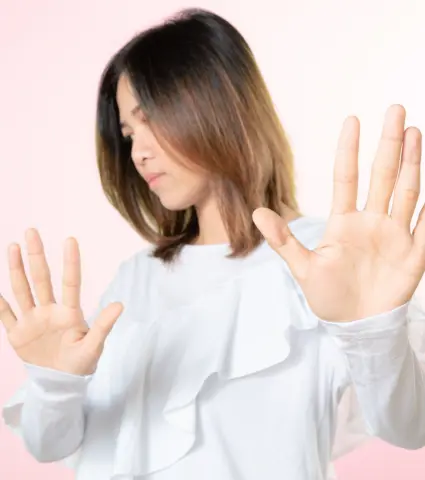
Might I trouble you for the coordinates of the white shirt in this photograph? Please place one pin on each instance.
(217, 369)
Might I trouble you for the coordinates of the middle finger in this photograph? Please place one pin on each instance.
(386, 165)
(39, 268)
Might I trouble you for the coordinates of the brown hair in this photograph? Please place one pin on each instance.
(204, 97)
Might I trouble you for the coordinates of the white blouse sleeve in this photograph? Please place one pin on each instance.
(52, 413)
(385, 357)
(47, 411)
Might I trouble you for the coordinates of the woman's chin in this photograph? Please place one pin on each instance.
(174, 204)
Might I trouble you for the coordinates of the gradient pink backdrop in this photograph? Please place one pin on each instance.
(322, 61)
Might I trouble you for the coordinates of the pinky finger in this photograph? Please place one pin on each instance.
(419, 233)
(7, 317)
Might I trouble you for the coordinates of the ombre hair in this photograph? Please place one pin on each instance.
(202, 94)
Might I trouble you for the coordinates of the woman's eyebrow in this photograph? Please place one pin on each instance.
(135, 110)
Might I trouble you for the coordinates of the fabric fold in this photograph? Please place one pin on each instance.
(194, 344)
(164, 364)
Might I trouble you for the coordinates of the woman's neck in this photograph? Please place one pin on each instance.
(211, 226)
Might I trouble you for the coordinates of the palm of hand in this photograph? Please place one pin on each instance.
(359, 253)
(49, 335)
(368, 262)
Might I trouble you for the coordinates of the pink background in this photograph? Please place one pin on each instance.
(322, 61)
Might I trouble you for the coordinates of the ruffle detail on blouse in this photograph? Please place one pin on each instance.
(155, 371)
(241, 328)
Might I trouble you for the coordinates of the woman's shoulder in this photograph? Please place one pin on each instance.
(130, 275)
(138, 260)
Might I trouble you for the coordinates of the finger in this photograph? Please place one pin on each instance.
(102, 326)
(407, 189)
(7, 317)
(18, 279)
(387, 161)
(419, 235)
(71, 284)
(278, 235)
(346, 168)
(39, 269)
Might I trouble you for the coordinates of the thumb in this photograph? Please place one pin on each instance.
(280, 238)
(102, 326)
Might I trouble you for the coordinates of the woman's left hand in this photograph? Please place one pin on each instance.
(368, 262)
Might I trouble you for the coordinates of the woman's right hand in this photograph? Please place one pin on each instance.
(50, 334)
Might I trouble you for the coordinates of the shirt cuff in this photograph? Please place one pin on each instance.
(375, 347)
(50, 383)
(369, 327)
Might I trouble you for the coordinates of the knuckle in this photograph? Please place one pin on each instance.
(411, 194)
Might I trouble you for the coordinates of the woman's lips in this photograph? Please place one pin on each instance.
(152, 178)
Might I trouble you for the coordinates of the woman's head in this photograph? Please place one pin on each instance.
(185, 99)
(177, 185)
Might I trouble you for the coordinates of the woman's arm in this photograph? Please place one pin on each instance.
(385, 357)
(48, 411)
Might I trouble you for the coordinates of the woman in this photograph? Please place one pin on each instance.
(215, 354)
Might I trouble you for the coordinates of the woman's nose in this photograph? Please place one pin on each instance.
(140, 152)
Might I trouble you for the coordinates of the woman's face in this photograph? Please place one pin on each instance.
(176, 186)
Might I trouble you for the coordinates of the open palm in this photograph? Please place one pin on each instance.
(368, 261)
(49, 334)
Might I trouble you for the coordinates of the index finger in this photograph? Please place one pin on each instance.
(346, 168)
(39, 268)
